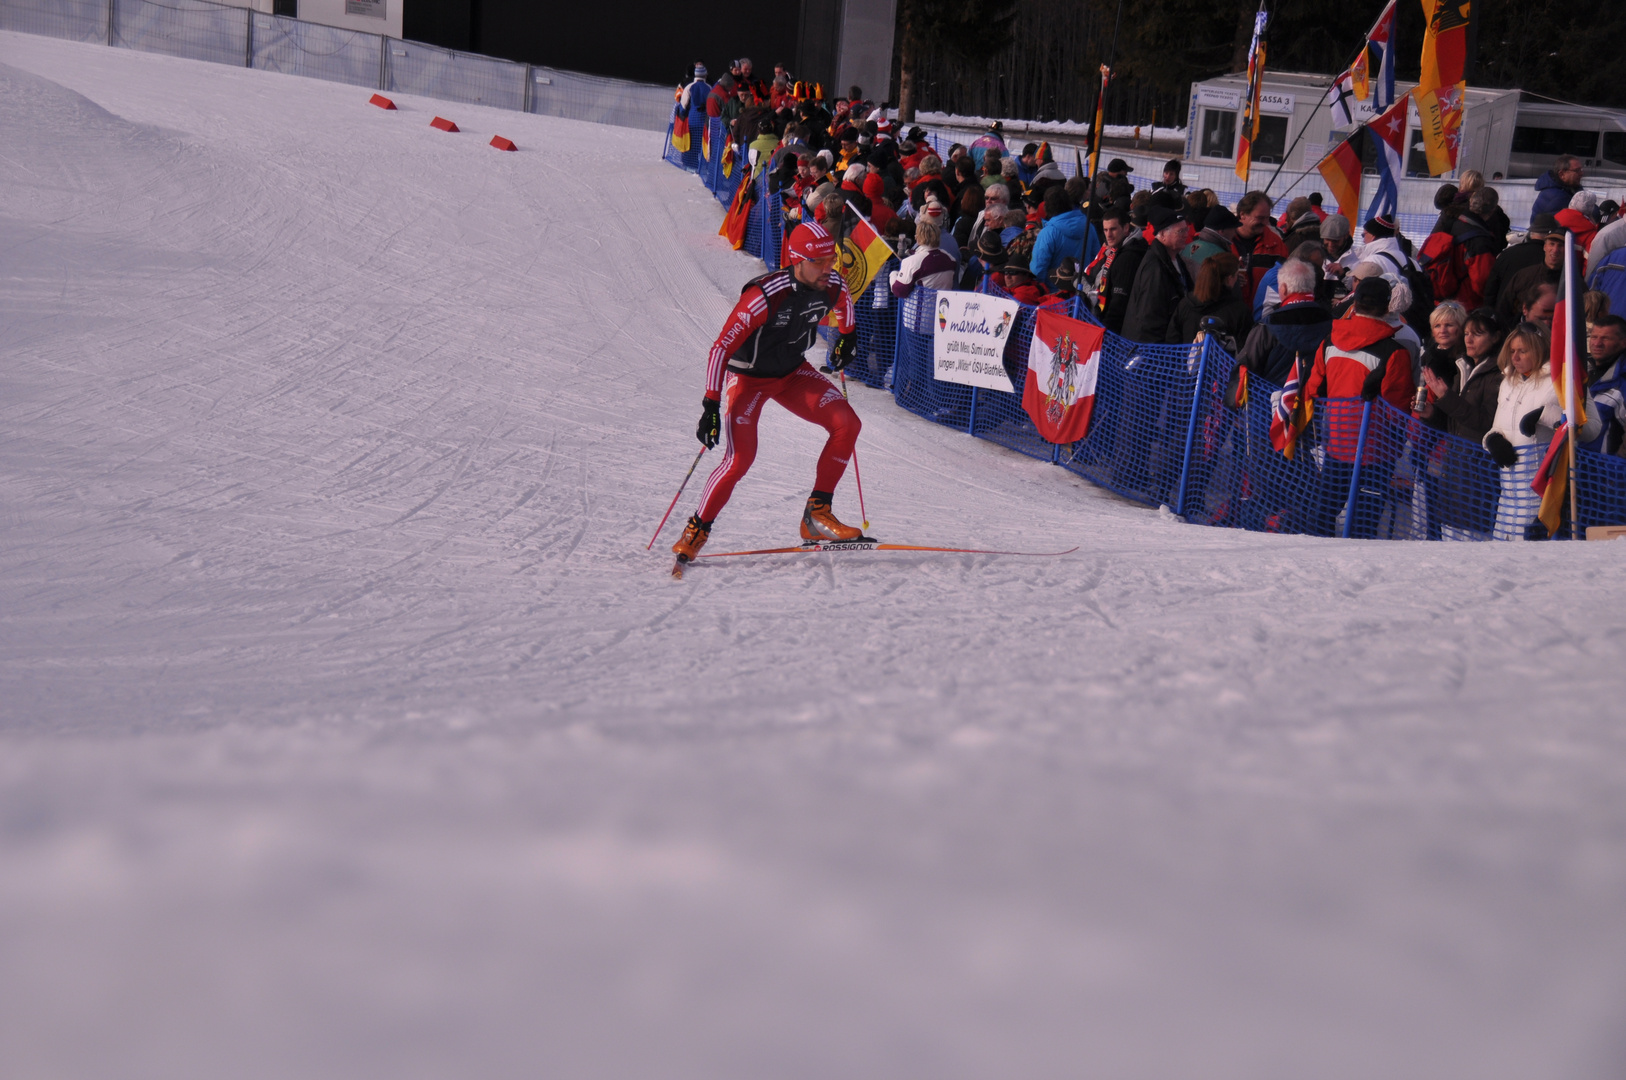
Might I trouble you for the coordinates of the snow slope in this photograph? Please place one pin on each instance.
(346, 728)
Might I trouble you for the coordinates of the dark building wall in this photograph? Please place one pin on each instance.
(447, 23)
(647, 40)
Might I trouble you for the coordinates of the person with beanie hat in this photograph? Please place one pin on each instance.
(1161, 280)
(874, 187)
(1218, 230)
(1361, 358)
(758, 358)
(694, 95)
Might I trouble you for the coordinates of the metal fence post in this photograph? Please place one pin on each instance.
(1355, 473)
(1191, 426)
(530, 82)
(248, 38)
(112, 20)
(383, 62)
(971, 421)
(897, 345)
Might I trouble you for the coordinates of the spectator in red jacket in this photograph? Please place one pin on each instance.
(1362, 359)
(1257, 244)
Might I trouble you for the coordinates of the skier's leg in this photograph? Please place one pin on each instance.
(742, 405)
(811, 396)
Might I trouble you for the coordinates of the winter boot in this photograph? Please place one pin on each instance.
(818, 523)
(694, 537)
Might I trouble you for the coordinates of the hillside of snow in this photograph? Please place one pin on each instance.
(348, 730)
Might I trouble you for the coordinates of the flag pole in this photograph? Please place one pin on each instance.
(1570, 364)
(1365, 44)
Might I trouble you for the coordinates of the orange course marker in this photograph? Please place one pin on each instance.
(381, 101)
(502, 144)
(442, 123)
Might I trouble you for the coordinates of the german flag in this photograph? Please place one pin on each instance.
(860, 256)
(1341, 169)
(680, 126)
(739, 213)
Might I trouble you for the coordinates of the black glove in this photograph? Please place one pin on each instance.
(711, 425)
(846, 348)
(1373, 384)
(1501, 451)
(1528, 422)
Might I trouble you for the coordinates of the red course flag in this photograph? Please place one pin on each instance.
(1063, 364)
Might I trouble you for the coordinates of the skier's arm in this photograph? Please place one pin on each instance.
(749, 314)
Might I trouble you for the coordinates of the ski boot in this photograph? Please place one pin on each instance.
(695, 535)
(819, 525)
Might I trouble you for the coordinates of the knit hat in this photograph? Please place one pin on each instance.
(1220, 218)
(1373, 292)
(1586, 204)
(1380, 227)
(874, 186)
(700, 71)
(809, 241)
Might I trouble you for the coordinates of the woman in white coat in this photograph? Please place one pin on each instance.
(1527, 412)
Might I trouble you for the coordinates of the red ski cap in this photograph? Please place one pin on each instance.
(809, 241)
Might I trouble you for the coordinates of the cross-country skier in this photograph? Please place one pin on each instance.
(775, 321)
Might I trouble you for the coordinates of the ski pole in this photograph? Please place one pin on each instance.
(858, 477)
(676, 497)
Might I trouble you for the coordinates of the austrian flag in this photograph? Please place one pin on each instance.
(1063, 364)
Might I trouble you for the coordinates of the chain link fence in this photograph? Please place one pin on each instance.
(222, 34)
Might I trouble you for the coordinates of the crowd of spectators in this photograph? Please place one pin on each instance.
(1454, 330)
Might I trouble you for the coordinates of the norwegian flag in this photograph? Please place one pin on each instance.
(1339, 96)
(1291, 415)
(1064, 362)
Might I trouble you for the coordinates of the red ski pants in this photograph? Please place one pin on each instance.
(806, 394)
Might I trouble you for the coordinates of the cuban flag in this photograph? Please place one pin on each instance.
(1064, 362)
(1291, 413)
(1390, 133)
(1380, 41)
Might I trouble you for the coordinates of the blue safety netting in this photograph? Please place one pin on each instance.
(1163, 433)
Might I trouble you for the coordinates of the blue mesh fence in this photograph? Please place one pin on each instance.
(671, 154)
(875, 312)
(1600, 486)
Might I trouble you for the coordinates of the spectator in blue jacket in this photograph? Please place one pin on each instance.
(1606, 381)
(1062, 235)
(1557, 186)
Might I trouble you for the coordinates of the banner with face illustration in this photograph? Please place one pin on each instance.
(969, 334)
